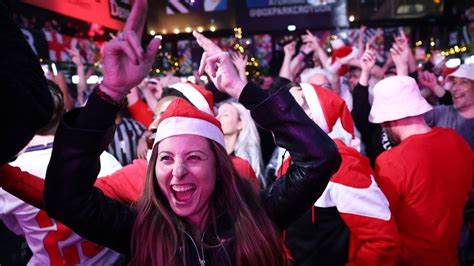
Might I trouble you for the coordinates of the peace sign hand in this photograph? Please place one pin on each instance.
(218, 65)
(125, 62)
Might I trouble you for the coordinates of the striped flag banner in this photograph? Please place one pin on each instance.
(179, 6)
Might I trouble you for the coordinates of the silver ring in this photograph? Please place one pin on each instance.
(120, 37)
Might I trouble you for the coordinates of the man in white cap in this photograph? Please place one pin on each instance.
(426, 177)
(460, 115)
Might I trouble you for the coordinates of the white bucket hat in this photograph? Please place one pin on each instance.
(395, 98)
(464, 71)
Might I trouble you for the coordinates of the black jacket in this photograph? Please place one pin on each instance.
(27, 105)
(84, 133)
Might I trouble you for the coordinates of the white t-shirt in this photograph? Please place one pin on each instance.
(51, 242)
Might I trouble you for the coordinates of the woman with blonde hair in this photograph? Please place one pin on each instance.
(241, 135)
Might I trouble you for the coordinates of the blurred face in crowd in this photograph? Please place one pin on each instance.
(320, 80)
(186, 173)
(154, 86)
(354, 77)
(298, 94)
(266, 82)
(160, 109)
(230, 119)
(462, 90)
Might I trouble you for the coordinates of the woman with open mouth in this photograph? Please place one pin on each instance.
(195, 209)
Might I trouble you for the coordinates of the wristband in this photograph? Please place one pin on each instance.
(104, 96)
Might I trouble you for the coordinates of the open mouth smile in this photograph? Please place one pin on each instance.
(183, 192)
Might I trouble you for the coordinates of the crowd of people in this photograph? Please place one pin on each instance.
(339, 162)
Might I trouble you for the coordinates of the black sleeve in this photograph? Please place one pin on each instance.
(69, 191)
(27, 105)
(414, 75)
(252, 95)
(371, 134)
(447, 99)
(315, 156)
(361, 108)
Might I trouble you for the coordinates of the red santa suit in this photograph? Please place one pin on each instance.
(351, 222)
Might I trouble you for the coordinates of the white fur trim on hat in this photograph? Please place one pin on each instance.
(194, 96)
(337, 43)
(314, 105)
(179, 125)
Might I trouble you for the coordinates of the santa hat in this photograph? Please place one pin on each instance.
(448, 71)
(327, 108)
(342, 52)
(182, 118)
(201, 98)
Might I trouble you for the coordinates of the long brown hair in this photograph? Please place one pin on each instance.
(156, 233)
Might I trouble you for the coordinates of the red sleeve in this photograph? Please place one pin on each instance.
(22, 185)
(126, 184)
(141, 112)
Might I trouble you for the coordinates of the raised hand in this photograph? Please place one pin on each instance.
(367, 61)
(239, 60)
(310, 38)
(125, 63)
(307, 48)
(427, 79)
(290, 49)
(209, 47)
(75, 56)
(400, 53)
(218, 65)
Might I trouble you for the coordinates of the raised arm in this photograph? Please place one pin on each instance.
(314, 154)
(81, 73)
(240, 63)
(82, 136)
(285, 71)
(400, 53)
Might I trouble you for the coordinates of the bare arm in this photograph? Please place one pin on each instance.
(309, 37)
(285, 70)
(400, 53)
(81, 73)
(240, 63)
